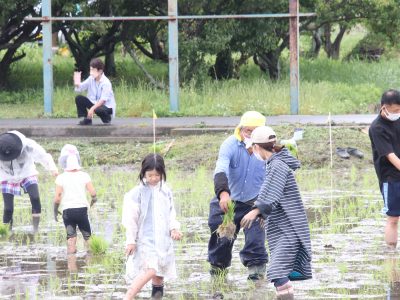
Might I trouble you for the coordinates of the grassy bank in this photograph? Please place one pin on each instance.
(326, 86)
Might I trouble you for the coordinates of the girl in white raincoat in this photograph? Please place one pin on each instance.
(149, 219)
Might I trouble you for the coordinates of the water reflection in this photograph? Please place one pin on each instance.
(393, 292)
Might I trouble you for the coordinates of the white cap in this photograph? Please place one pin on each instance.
(69, 158)
(263, 135)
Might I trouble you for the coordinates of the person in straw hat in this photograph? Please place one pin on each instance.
(18, 155)
(238, 177)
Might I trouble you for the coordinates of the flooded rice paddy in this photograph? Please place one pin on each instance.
(350, 260)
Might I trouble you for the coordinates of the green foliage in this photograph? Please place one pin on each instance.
(98, 245)
(371, 47)
(4, 230)
(230, 214)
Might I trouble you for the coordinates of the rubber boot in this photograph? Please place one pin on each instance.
(257, 272)
(35, 223)
(87, 246)
(71, 245)
(157, 291)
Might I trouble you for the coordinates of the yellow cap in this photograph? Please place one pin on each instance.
(249, 119)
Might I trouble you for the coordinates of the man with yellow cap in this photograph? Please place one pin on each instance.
(238, 177)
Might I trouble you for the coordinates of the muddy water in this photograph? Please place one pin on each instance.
(349, 257)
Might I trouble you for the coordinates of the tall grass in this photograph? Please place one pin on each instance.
(325, 86)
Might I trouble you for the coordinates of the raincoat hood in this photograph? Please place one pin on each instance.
(285, 156)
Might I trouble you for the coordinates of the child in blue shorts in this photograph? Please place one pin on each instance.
(385, 141)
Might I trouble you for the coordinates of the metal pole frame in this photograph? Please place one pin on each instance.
(47, 59)
(173, 56)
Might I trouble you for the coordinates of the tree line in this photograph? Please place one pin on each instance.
(231, 42)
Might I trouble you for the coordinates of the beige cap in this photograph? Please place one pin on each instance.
(262, 135)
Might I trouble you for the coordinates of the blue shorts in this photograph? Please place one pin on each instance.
(391, 198)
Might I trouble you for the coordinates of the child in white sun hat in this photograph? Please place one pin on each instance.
(70, 196)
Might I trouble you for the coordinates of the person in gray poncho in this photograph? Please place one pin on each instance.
(279, 203)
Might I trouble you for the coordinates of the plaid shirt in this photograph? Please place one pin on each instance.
(14, 188)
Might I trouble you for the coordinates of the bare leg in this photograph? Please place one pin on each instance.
(157, 291)
(391, 231)
(138, 283)
(71, 245)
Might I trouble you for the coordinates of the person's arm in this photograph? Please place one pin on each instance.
(41, 156)
(94, 107)
(221, 173)
(83, 86)
(130, 220)
(174, 225)
(57, 201)
(272, 189)
(92, 192)
(394, 160)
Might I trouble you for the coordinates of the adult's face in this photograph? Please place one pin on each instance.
(246, 131)
(95, 73)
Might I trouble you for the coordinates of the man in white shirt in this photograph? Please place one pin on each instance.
(100, 97)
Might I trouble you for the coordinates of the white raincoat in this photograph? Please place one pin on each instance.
(24, 165)
(149, 216)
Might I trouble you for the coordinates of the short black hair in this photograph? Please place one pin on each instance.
(153, 162)
(390, 97)
(97, 63)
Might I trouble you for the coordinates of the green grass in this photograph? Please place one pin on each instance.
(4, 230)
(326, 86)
(98, 245)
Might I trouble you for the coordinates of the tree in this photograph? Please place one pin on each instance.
(14, 32)
(88, 40)
(341, 15)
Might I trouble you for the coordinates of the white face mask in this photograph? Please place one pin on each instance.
(391, 116)
(258, 156)
(248, 143)
(94, 73)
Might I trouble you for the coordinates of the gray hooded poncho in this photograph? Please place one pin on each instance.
(288, 233)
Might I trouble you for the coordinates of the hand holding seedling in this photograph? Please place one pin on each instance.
(224, 199)
(176, 234)
(249, 218)
(130, 249)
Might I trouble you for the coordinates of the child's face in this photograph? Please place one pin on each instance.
(152, 177)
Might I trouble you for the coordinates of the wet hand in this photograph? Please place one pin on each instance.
(249, 218)
(176, 234)
(130, 249)
(224, 200)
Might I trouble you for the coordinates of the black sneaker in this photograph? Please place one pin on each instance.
(85, 122)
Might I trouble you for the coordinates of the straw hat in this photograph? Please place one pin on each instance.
(249, 119)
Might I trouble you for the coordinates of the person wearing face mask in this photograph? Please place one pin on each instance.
(237, 177)
(279, 203)
(384, 134)
(100, 97)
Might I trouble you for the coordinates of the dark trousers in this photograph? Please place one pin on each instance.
(220, 249)
(74, 217)
(33, 192)
(83, 104)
